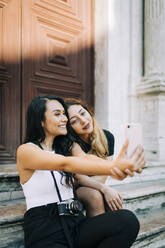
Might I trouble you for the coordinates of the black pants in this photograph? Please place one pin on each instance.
(116, 229)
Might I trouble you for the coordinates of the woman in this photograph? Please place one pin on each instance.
(92, 191)
(52, 218)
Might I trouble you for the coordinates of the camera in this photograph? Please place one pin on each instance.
(69, 207)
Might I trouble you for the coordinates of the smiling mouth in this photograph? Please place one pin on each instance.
(62, 126)
(86, 127)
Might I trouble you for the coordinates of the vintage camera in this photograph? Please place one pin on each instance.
(69, 207)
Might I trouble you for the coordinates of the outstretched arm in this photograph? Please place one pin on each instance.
(30, 156)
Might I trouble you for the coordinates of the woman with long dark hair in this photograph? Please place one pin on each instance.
(53, 217)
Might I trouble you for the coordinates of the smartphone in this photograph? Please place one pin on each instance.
(133, 132)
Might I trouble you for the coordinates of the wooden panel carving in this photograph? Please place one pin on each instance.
(9, 80)
(59, 44)
(1, 38)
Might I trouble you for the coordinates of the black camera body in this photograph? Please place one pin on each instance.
(69, 207)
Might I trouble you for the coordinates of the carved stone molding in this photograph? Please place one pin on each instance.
(151, 87)
(154, 10)
(154, 36)
(152, 84)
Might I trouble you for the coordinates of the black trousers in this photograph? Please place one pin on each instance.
(43, 229)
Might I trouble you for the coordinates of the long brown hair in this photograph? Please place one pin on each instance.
(97, 139)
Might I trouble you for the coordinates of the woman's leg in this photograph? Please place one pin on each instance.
(115, 229)
(92, 200)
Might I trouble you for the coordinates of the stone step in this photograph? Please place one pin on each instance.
(11, 223)
(152, 231)
(142, 197)
(151, 235)
(10, 187)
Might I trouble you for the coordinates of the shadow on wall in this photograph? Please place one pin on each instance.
(56, 73)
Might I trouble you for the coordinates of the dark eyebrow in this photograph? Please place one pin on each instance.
(78, 112)
(58, 110)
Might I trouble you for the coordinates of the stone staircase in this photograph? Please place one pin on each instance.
(144, 194)
(12, 208)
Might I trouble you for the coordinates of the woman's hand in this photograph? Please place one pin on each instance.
(134, 163)
(117, 174)
(112, 197)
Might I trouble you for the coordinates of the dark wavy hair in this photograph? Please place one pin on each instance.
(35, 133)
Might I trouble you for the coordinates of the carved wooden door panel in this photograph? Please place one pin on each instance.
(9, 79)
(57, 49)
(46, 47)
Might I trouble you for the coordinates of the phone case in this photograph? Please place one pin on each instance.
(133, 132)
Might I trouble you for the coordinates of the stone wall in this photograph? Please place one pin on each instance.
(130, 69)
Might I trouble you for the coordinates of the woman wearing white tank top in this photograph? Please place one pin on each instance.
(48, 223)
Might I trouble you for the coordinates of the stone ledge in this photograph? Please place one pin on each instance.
(155, 84)
(152, 231)
(140, 189)
(8, 168)
(12, 211)
(9, 174)
(143, 197)
(11, 195)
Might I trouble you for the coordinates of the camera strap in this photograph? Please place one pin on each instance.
(64, 225)
(57, 189)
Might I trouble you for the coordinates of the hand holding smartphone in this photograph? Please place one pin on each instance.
(133, 132)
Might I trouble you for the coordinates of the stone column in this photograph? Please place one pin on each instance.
(151, 91)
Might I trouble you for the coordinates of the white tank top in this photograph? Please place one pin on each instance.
(40, 189)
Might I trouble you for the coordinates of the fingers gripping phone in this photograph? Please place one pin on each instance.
(133, 132)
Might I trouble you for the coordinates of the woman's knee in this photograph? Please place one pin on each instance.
(130, 221)
(124, 220)
(96, 196)
(89, 195)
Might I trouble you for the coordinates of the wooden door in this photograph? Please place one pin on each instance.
(57, 49)
(46, 47)
(9, 79)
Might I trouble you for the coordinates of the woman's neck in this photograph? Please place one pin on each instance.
(47, 144)
(85, 137)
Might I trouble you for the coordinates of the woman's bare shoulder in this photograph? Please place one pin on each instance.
(26, 149)
(77, 150)
(27, 146)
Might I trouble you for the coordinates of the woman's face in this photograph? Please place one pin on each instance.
(80, 120)
(55, 119)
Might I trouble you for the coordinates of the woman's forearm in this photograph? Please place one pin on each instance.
(86, 166)
(100, 179)
(88, 182)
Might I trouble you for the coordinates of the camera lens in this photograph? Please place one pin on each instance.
(76, 206)
(128, 126)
